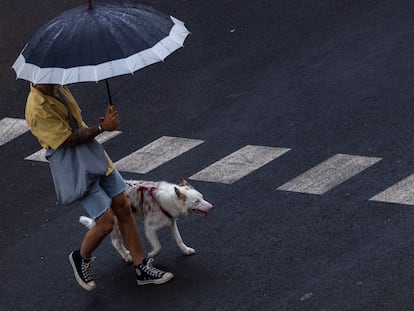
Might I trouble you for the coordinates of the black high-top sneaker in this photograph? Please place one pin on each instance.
(82, 270)
(147, 274)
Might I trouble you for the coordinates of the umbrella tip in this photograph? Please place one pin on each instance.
(90, 4)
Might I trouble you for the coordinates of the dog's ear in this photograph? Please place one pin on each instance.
(179, 194)
(184, 182)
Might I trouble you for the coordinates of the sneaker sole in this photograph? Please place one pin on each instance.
(84, 285)
(167, 276)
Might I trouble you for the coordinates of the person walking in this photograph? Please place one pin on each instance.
(48, 117)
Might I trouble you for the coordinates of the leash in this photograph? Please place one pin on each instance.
(151, 191)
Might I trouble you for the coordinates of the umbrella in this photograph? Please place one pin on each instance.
(94, 43)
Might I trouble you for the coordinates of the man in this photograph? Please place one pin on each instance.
(47, 117)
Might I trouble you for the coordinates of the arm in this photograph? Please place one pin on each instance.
(108, 123)
(83, 136)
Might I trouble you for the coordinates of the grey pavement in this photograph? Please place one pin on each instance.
(316, 79)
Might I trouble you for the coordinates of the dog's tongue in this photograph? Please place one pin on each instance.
(200, 213)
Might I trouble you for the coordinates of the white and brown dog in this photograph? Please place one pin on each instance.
(158, 204)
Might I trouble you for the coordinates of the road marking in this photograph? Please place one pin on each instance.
(101, 138)
(156, 153)
(329, 174)
(239, 164)
(400, 193)
(10, 128)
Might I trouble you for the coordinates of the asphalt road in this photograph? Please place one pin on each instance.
(319, 78)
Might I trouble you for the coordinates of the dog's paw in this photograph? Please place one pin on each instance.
(127, 257)
(153, 253)
(189, 251)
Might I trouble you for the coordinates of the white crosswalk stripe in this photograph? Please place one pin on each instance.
(401, 193)
(156, 153)
(40, 155)
(10, 128)
(239, 164)
(317, 180)
(329, 174)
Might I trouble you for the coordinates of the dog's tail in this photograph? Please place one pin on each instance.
(87, 222)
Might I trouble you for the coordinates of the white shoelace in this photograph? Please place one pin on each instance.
(86, 271)
(149, 269)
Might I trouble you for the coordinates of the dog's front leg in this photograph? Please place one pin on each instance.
(177, 236)
(152, 237)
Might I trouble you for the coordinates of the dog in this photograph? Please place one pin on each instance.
(158, 204)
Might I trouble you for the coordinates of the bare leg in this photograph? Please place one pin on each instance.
(95, 235)
(128, 227)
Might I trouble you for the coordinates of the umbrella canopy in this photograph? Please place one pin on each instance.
(99, 42)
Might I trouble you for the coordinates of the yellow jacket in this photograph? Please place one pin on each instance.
(47, 118)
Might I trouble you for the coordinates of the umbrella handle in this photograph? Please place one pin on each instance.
(109, 94)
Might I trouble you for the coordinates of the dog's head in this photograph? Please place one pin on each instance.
(191, 200)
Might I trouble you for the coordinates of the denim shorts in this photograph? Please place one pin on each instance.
(98, 199)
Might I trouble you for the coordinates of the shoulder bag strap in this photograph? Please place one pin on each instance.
(72, 121)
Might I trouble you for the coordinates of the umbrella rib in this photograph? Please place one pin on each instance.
(125, 39)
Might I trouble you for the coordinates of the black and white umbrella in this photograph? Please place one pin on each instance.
(93, 43)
